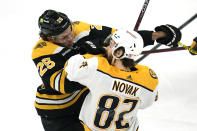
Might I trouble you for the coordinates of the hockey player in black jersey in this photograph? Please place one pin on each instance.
(61, 39)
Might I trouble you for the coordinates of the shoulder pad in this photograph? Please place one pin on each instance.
(80, 29)
(147, 77)
(43, 48)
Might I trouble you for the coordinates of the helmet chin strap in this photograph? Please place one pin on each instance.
(114, 58)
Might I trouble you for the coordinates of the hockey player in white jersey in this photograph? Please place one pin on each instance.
(118, 87)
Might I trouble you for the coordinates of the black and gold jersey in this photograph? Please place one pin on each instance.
(49, 58)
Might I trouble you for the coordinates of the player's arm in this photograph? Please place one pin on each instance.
(50, 65)
(47, 65)
(76, 75)
(80, 69)
(84, 31)
(58, 79)
(100, 32)
(165, 34)
(90, 38)
(150, 94)
(148, 98)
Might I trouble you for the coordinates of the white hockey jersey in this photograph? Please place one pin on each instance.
(115, 95)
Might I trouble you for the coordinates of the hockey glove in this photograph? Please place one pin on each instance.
(193, 47)
(91, 48)
(173, 35)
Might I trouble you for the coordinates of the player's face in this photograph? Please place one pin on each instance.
(117, 53)
(65, 38)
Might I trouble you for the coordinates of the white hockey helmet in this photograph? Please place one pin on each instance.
(131, 41)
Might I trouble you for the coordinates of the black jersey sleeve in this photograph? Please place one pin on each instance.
(147, 37)
(49, 67)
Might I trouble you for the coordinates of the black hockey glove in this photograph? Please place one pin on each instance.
(193, 47)
(173, 35)
(91, 47)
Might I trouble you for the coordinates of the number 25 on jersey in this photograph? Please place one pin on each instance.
(44, 65)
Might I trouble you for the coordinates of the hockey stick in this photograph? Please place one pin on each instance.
(153, 50)
(141, 15)
(165, 50)
(183, 47)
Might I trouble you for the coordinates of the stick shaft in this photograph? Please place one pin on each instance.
(143, 10)
(164, 50)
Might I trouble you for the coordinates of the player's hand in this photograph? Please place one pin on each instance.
(91, 47)
(194, 47)
(172, 35)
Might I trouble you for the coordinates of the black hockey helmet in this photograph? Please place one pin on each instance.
(53, 23)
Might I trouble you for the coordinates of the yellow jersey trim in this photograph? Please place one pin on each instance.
(85, 127)
(54, 97)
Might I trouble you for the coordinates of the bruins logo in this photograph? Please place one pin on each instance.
(153, 74)
(40, 45)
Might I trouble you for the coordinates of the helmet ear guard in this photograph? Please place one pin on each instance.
(130, 41)
(53, 23)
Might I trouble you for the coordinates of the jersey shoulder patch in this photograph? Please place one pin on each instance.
(43, 48)
(153, 74)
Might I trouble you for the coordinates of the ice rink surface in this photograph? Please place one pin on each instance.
(176, 109)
